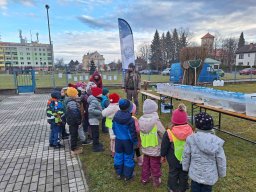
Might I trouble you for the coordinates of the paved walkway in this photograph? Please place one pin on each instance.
(26, 161)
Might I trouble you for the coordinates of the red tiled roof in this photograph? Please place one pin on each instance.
(208, 35)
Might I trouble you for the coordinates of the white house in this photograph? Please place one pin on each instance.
(246, 55)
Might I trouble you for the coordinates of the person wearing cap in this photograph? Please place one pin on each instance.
(132, 84)
(109, 114)
(54, 112)
(126, 140)
(94, 117)
(104, 104)
(172, 148)
(73, 118)
(203, 156)
(151, 134)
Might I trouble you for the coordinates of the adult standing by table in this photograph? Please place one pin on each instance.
(132, 84)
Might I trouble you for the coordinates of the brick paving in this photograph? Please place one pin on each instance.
(26, 161)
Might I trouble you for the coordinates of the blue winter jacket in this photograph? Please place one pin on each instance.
(124, 127)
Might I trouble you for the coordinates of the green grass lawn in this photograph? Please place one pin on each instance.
(45, 80)
(241, 169)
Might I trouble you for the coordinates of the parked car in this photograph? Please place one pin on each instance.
(145, 71)
(166, 71)
(248, 71)
(149, 72)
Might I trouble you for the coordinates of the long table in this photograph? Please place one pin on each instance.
(201, 106)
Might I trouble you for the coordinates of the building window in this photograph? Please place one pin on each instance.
(40, 54)
(34, 49)
(36, 58)
(43, 49)
(29, 63)
(28, 53)
(35, 53)
(248, 63)
(241, 56)
(240, 63)
(22, 63)
(44, 63)
(43, 54)
(248, 54)
(36, 63)
(21, 53)
(28, 58)
(27, 49)
(21, 58)
(39, 49)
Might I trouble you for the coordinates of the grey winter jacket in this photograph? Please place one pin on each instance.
(204, 158)
(94, 110)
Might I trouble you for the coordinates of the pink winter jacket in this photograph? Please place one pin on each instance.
(137, 126)
(147, 122)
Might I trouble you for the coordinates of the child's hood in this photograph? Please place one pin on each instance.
(148, 121)
(182, 131)
(122, 117)
(207, 142)
(92, 98)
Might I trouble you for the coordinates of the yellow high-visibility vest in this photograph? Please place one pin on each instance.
(108, 123)
(149, 139)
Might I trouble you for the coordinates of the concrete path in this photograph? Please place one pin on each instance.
(26, 161)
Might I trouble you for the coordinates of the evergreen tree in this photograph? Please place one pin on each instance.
(156, 52)
(92, 67)
(241, 41)
(176, 45)
(183, 40)
(168, 44)
(163, 52)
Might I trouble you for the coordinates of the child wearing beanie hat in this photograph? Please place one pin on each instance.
(109, 114)
(173, 146)
(104, 104)
(204, 156)
(94, 117)
(74, 118)
(126, 140)
(151, 133)
(55, 111)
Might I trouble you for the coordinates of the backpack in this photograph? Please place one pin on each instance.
(73, 114)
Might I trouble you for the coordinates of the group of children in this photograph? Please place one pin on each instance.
(197, 154)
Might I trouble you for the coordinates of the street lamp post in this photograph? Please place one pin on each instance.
(47, 8)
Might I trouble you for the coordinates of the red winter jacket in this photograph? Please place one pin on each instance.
(99, 81)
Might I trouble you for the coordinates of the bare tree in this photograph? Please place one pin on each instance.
(218, 39)
(229, 46)
(144, 51)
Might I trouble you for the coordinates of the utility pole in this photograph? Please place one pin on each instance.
(53, 79)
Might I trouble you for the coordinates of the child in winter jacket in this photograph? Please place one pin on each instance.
(151, 133)
(109, 114)
(54, 112)
(94, 117)
(137, 126)
(104, 104)
(73, 118)
(86, 126)
(203, 155)
(64, 133)
(126, 140)
(172, 149)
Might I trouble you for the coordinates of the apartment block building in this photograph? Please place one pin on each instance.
(26, 55)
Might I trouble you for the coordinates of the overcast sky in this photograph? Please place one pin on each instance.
(81, 26)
